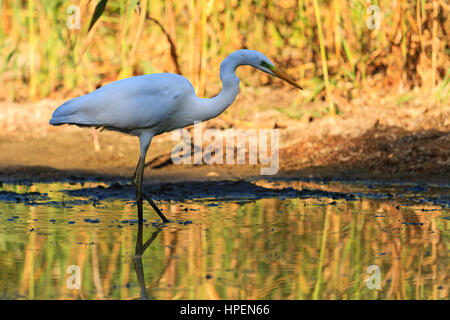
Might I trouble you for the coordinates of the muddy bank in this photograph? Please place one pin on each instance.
(384, 153)
(217, 191)
(238, 190)
(376, 139)
(330, 173)
(245, 190)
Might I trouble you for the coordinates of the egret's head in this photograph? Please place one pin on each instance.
(261, 62)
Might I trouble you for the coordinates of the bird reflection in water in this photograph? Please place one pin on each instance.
(137, 258)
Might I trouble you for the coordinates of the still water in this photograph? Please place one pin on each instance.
(54, 245)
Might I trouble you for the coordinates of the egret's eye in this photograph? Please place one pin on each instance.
(264, 64)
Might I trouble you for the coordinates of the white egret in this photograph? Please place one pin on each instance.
(149, 105)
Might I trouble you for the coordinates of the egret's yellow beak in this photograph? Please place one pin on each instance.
(284, 76)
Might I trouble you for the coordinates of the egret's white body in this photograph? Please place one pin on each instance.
(152, 104)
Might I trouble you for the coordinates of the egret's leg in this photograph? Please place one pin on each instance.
(137, 181)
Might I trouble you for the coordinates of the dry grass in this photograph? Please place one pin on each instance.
(41, 57)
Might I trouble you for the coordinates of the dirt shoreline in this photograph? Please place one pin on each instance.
(381, 141)
(48, 174)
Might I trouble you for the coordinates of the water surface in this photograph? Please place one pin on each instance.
(281, 243)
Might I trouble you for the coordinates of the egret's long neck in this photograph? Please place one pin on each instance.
(206, 109)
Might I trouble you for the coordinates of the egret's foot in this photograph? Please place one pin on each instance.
(155, 207)
(143, 195)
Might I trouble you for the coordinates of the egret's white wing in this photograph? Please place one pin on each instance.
(137, 102)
